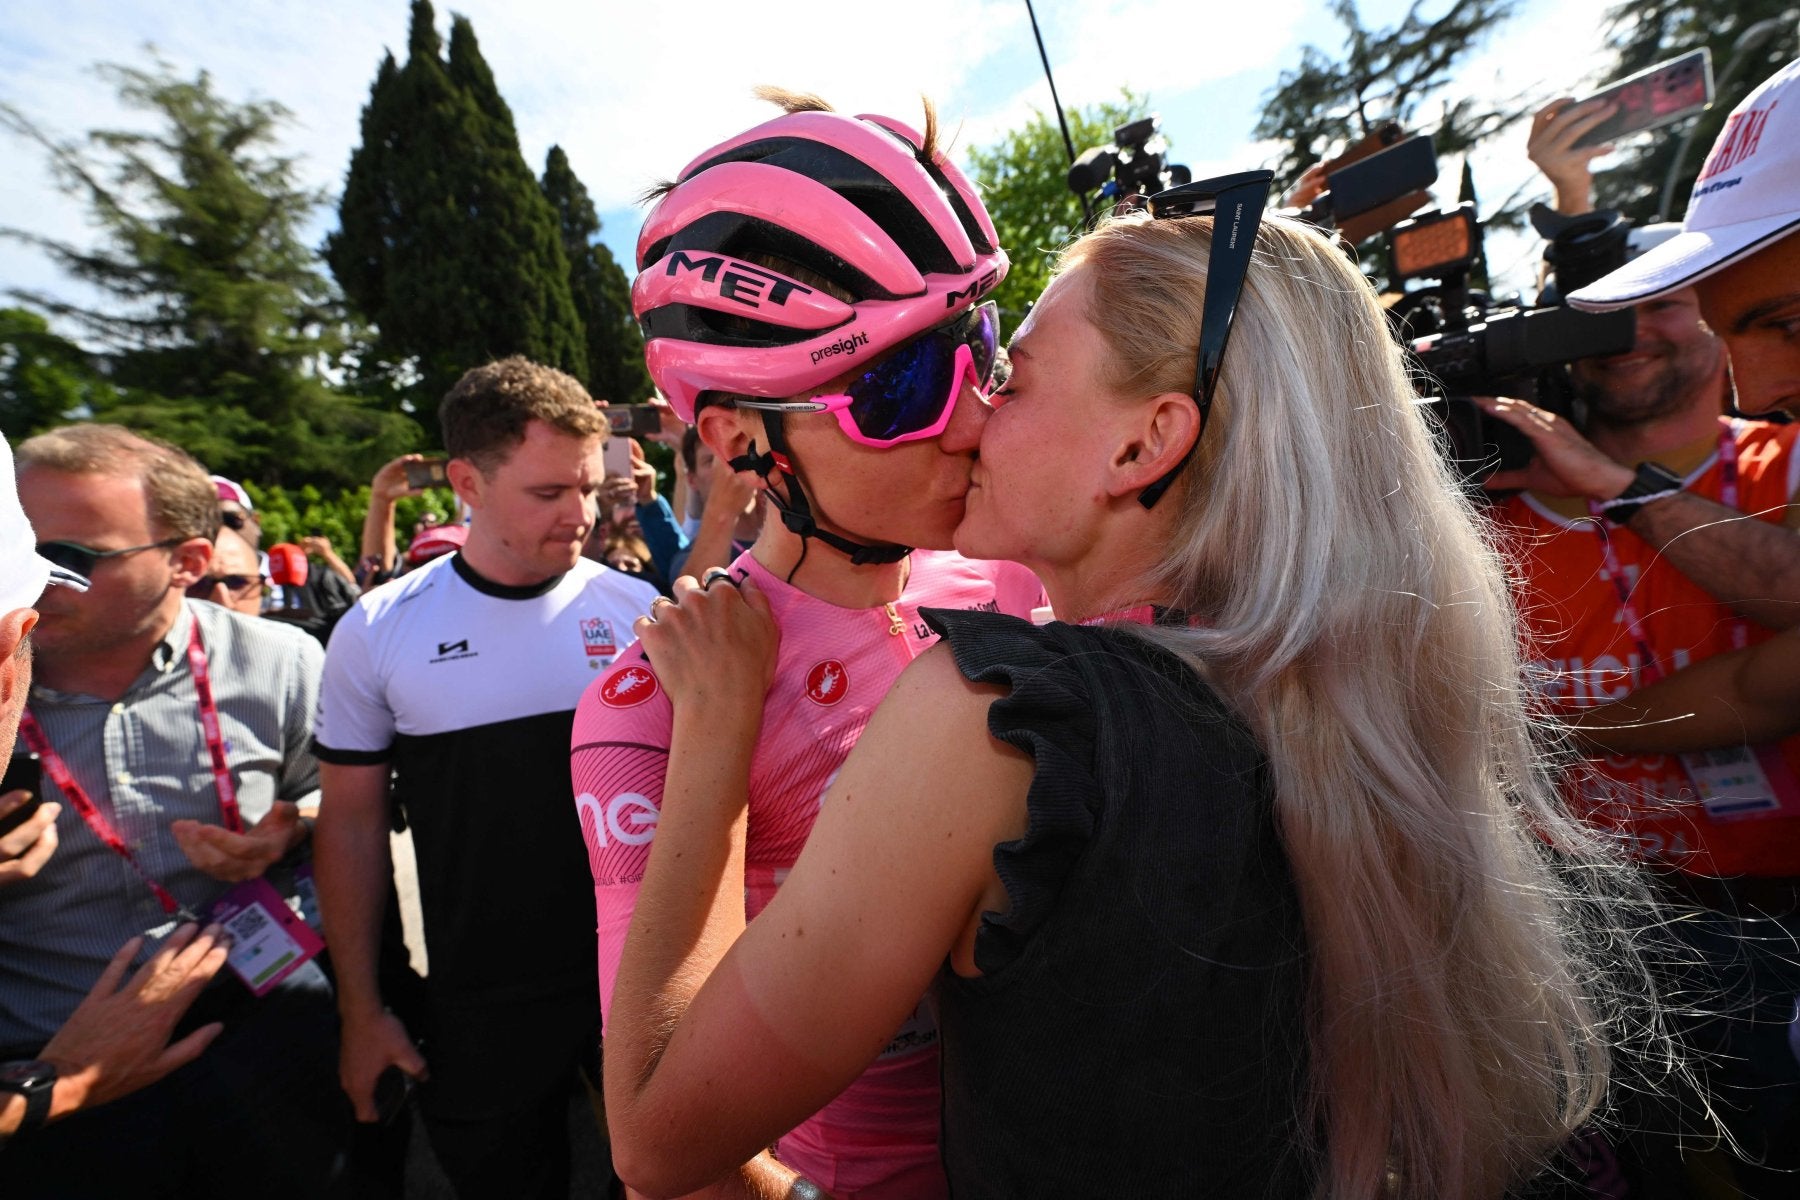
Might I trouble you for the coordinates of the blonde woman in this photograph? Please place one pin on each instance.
(1230, 882)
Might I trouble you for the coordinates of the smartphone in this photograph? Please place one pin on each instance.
(617, 456)
(634, 420)
(428, 473)
(1655, 96)
(25, 773)
(393, 1088)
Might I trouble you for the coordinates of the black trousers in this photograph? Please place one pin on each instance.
(496, 1107)
(259, 1114)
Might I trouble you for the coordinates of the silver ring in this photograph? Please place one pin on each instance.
(651, 615)
(714, 575)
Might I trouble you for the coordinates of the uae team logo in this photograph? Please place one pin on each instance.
(597, 637)
(630, 687)
(827, 682)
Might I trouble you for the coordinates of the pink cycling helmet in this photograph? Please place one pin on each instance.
(848, 198)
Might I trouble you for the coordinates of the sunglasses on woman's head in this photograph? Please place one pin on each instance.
(909, 395)
(1236, 203)
(82, 560)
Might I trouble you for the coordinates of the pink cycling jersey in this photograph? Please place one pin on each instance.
(878, 1139)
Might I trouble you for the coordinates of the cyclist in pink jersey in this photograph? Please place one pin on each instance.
(812, 286)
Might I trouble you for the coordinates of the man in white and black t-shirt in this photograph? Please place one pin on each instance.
(451, 691)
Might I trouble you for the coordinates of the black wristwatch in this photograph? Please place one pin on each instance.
(1652, 482)
(35, 1080)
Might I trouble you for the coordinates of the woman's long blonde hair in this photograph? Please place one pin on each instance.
(1460, 1009)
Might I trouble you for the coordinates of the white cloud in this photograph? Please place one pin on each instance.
(632, 90)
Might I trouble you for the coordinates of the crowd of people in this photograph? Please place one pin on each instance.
(1098, 765)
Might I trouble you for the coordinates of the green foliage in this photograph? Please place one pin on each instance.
(220, 332)
(1024, 181)
(44, 379)
(446, 242)
(287, 515)
(1645, 32)
(1383, 75)
(615, 347)
(1317, 109)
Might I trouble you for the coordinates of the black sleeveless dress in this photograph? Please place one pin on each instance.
(1137, 1027)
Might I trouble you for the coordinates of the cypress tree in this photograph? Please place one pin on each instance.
(615, 347)
(446, 242)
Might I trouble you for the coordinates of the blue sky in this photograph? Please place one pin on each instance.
(631, 91)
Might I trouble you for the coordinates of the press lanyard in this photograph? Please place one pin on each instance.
(90, 812)
(1728, 496)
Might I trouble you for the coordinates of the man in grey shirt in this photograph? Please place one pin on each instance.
(117, 1039)
(118, 698)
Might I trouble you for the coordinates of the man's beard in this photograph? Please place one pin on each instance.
(1670, 391)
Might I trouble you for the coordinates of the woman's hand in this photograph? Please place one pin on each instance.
(713, 647)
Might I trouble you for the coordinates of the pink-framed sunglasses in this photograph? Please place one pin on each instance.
(909, 395)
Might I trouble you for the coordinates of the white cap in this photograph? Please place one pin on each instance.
(1747, 196)
(230, 489)
(24, 573)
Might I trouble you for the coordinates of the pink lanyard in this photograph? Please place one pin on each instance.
(1728, 496)
(90, 812)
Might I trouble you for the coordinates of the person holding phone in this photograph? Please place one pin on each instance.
(407, 475)
(1232, 878)
(1738, 252)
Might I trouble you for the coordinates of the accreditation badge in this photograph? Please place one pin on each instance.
(1742, 783)
(269, 941)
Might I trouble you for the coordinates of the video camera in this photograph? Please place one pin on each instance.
(1466, 346)
(1135, 163)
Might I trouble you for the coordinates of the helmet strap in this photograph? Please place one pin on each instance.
(795, 512)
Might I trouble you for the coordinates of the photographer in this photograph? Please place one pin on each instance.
(1739, 253)
(1745, 272)
(1659, 535)
(1661, 403)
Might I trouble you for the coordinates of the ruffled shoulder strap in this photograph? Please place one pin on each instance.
(1050, 715)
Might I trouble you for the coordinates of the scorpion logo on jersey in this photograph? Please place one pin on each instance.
(632, 686)
(827, 682)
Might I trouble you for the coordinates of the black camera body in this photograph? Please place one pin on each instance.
(1136, 163)
(1465, 346)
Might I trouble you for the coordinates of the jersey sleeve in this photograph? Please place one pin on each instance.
(1017, 590)
(618, 758)
(355, 724)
